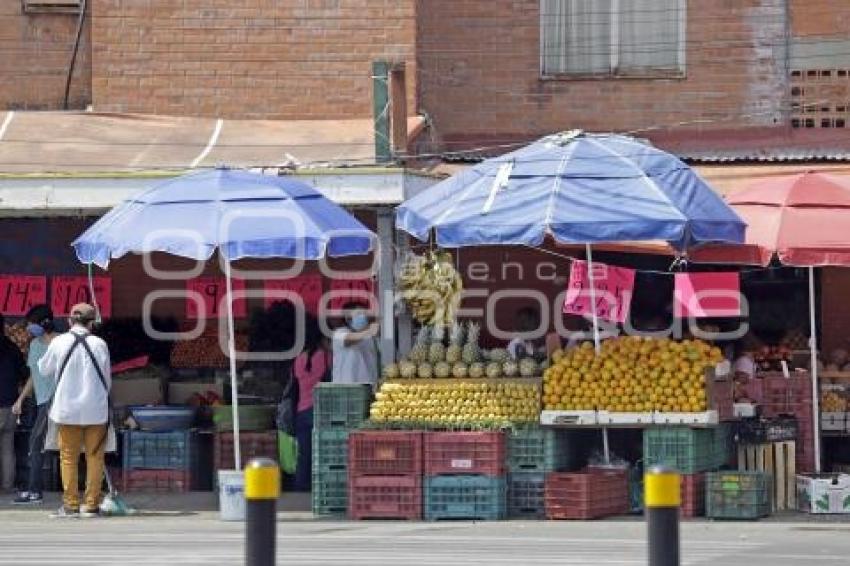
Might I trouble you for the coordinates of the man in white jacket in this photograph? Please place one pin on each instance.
(80, 365)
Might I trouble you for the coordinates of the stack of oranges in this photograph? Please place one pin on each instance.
(631, 374)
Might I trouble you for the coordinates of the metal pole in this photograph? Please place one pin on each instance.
(606, 450)
(813, 345)
(592, 298)
(231, 347)
(663, 497)
(262, 489)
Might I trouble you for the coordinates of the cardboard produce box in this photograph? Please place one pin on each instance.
(823, 493)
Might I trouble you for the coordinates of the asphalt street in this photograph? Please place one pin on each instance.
(30, 538)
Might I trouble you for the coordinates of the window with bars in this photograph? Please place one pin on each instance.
(613, 37)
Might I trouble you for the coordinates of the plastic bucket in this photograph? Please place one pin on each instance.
(231, 495)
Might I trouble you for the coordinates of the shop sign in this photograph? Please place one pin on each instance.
(351, 290)
(613, 288)
(308, 287)
(69, 290)
(209, 293)
(19, 293)
(703, 295)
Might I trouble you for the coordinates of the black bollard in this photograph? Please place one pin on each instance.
(262, 489)
(663, 497)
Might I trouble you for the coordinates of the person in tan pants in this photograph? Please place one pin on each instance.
(80, 364)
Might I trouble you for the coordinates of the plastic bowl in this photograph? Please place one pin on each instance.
(163, 419)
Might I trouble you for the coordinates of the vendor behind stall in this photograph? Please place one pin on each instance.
(528, 322)
(355, 349)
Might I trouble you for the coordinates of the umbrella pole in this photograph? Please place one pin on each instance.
(813, 344)
(592, 298)
(231, 346)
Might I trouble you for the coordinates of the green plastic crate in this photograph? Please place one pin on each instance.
(738, 495)
(465, 497)
(686, 450)
(526, 495)
(252, 418)
(537, 449)
(330, 493)
(337, 405)
(330, 449)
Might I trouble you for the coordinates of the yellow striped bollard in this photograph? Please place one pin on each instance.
(662, 498)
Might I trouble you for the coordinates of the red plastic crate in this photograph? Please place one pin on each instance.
(454, 453)
(160, 481)
(385, 453)
(252, 444)
(385, 497)
(586, 495)
(693, 495)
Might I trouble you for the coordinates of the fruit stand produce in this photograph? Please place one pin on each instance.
(431, 286)
(631, 375)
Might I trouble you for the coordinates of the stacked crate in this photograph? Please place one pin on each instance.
(738, 495)
(337, 410)
(532, 453)
(465, 475)
(251, 444)
(385, 474)
(693, 495)
(594, 493)
(158, 461)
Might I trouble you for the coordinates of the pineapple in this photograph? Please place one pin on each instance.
(455, 349)
(391, 371)
(437, 351)
(460, 370)
(476, 370)
(494, 370)
(419, 352)
(425, 371)
(528, 367)
(499, 355)
(471, 352)
(510, 368)
(407, 369)
(442, 370)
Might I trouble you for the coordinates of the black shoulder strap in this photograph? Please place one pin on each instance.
(97, 367)
(77, 341)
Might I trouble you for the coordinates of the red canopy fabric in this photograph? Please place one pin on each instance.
(802, 219)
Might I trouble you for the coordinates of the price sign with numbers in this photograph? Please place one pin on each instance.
(308, 287)
(69, 290)
(212, 291)
(19, 293)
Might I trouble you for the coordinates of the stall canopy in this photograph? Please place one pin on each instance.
(579, 188)
(238, 213)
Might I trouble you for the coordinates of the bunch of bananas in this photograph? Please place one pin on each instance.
(431, 287)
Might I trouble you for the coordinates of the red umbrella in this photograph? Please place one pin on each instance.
(803, 220)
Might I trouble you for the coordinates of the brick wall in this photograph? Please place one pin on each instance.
(480, 78)
(304, 59)
(34, 53)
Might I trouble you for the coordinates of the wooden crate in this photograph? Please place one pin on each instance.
(779, 459)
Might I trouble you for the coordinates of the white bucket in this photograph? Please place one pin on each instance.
(231, 495)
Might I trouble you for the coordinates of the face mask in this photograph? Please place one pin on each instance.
(35, 329)
(359, 322)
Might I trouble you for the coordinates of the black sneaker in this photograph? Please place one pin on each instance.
(28, 498)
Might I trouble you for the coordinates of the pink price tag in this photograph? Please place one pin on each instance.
(613, 288)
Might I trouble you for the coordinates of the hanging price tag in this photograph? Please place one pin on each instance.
(69, 290)
(212, 291)
(19, 293)
(613, 287)
(308, 287)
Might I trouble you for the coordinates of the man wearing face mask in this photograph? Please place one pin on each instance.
(41, 327)
(13, 372)
(355, 350)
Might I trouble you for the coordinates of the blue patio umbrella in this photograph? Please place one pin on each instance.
(578, 188)
(238, 213)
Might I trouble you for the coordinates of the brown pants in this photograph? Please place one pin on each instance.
(71, 439)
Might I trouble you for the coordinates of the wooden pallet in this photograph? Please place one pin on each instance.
(780, 461)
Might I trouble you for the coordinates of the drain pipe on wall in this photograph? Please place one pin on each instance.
(80, 22)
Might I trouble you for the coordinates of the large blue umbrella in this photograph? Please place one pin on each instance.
(579, 188)
(242, 214)
(238, 213)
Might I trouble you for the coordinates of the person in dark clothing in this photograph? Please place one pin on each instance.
(13, 374)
